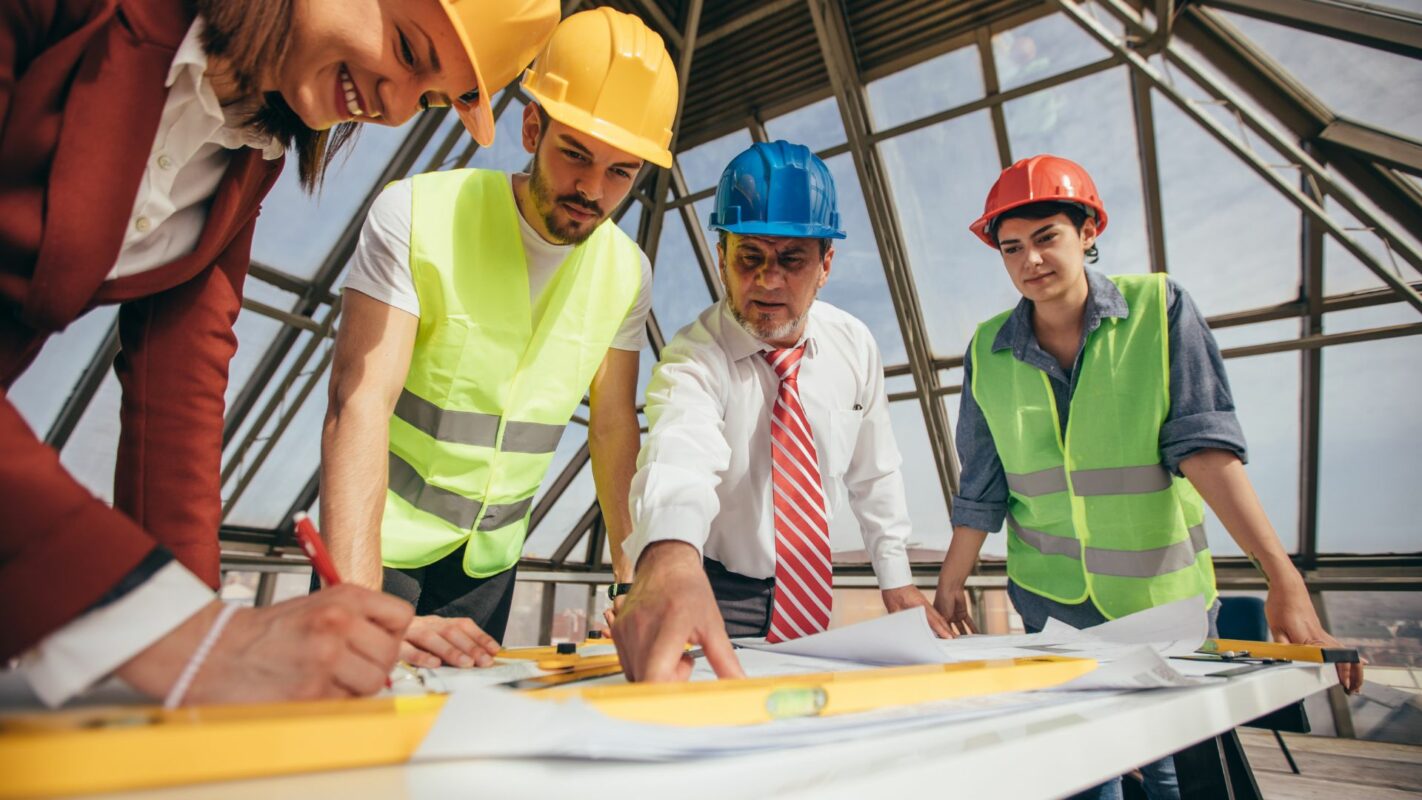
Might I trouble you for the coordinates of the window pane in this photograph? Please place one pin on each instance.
(937, 84)
(291, 463)
(525, 615)
(507, 154)
(44, 387)
(1386, 627)
(1042, 48)
(563, 516)
(1356, 81)
(296, 230)
(1090, 121)
(702, 165)
(856, 282)
(1369, 458)
(960, 281)
(817, 126)
(574, 437)
(92, 450)
(255, 332)
(679, 287)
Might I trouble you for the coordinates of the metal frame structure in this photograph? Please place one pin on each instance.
(788, 54)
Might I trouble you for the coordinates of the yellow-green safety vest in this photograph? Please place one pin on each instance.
(489, 392)
(1092, 512)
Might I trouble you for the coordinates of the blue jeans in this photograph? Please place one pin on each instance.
(1159, 777)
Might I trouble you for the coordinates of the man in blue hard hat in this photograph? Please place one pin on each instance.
(764, 413)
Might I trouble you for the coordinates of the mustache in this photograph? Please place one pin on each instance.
(586, 205)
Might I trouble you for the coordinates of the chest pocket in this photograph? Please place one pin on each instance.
(844, 434)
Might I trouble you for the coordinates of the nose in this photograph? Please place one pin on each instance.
(399, 99)
(589, 184)
(1034, 257)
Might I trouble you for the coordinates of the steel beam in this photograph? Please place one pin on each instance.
(705, 257)
(1381, 146)
(1074, 10)
(831, 30)
(559, 485)
(1325, 340)
(658, 19)
(1312, 292)
(992, 89)
(1367, 24)
(1150, 170)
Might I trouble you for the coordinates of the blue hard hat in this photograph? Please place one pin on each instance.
(777, 189)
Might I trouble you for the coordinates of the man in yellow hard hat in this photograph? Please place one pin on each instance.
(480, 308)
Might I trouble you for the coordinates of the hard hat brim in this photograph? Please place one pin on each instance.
(478, 119)
(789, 230)
(605, 132)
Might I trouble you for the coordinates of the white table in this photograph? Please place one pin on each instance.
(1041, 753)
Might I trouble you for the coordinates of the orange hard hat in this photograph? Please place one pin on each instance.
(1039, 179)
(500, 37)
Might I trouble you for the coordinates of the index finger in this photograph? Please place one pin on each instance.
(385, 610)
(716, 646)
(939, 625)
(659, 662)
(480, 638)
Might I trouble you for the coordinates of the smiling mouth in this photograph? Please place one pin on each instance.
(578, 212)
(350, 95)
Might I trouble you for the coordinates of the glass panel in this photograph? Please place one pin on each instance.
(507, 153)
(679, 288)
(446, 130)
(573, 439)
(1206, 192)
(93, 448)
(1342, 271)
(928, 513)
(1266, 397)
(525, 615)
(1044, 47)
(856, 282)
(1091, 122)
(817, 126)
(1355, 81)
(271, 388)
(255, 333)
(701, 166)
(43, 388)
(855, 605)
(1255, 333)
(631, 219)
(291, 463)
(940, 83)
(1369, 459)
(1386, 627)
(960, 281)
(297, 230)
(563, 516)
(570, 613)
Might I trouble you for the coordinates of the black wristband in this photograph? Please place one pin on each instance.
(156, 559)
(616, 590)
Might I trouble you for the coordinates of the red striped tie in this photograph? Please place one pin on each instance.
(803, 595)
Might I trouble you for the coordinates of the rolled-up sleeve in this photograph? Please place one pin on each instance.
(1202, 414)
(875, 483)
(673, 494)
(981, 501)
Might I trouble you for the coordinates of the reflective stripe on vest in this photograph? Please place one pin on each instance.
(1120, 563)
(495, 375)
(1092, 513)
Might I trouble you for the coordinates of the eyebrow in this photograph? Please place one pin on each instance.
(1034, 235)
(433, 54)
(568, 141)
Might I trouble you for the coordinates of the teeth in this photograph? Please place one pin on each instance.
(349, 86)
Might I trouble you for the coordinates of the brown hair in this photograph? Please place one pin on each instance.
(252, 35)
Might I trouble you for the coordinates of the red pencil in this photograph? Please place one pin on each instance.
(316, 550)
(310, 540)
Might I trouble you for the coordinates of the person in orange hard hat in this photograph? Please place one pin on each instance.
(137, 140)
(1096, 423)
(480, 309)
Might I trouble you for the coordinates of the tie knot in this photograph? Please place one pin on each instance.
(786, 362)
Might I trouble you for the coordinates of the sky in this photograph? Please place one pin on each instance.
(1231, 241)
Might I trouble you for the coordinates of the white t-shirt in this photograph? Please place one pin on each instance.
(381, 268)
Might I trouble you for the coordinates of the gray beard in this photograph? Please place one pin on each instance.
(759, 329)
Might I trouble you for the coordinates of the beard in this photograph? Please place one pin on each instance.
(565, 231)
(762, 328)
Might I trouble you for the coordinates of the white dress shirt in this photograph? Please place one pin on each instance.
(190, 154)
(704, 473)
(381, 267)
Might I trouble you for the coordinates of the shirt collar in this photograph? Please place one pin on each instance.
(190, 64)
(739, 343)
(1103, 300)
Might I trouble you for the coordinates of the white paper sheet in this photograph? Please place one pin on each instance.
(902, 638)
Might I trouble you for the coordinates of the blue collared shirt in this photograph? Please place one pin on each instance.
(1201, 407)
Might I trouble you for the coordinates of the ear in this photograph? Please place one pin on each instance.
(1088, 233)
(532, 127)
(825, 267)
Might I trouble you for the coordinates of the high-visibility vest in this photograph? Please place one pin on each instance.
(1092, 512)
(488, 393)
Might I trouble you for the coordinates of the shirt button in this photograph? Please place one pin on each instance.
(143, 224)
(164, 162)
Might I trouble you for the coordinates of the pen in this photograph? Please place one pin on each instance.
(315, 550)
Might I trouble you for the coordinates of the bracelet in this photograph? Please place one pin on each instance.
(180, 687)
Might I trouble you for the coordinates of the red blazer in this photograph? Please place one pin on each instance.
(81, 94)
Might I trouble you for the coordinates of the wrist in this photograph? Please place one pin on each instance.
(154, 671)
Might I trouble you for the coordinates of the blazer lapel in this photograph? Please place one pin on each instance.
(111, 117)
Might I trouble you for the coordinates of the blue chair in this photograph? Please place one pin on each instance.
(1243, 618)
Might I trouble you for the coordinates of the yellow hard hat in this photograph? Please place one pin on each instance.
(607, 74)
(500, 37)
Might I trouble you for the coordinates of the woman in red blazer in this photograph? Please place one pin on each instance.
(137, 140)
